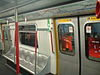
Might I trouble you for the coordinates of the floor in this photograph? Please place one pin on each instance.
(4, 69)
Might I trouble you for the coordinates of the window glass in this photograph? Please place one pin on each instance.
(66, 38)
(26, 37)
(92, 41)
(6, 32)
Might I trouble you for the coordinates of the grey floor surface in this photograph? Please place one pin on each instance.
(4, 69)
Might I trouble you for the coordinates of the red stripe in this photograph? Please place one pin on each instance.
(2, 31)
(3, 36)
(51, 42)
(17, 47)
(98, 9)
(36, 42)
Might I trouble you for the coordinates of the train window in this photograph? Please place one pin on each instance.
(92, 41)
(27, 38)
(27, 35)
(66, 38)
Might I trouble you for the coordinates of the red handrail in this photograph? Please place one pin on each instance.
(36, 43)
(3, 36)
(17, 47)
(98, 9)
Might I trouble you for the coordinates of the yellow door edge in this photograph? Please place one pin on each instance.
(57, 48)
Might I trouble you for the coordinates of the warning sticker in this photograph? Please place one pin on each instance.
(88, 29)
(93, 18)
(71, 29)
(64, 20)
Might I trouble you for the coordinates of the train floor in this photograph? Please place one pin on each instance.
(4, 69)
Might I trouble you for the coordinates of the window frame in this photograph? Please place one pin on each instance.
(67, 53)
(87, 51)
(27, 31)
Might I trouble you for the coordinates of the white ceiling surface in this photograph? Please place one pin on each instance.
(10, 4)
(38, 5)
(27, 5)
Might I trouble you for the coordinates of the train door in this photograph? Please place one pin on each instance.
(68, 52)
(90, 45)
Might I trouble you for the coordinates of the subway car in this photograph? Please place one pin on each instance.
(59, 45)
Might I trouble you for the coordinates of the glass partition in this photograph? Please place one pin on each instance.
(9, 43)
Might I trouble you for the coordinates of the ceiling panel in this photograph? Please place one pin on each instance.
(48, 8)
(6, 5)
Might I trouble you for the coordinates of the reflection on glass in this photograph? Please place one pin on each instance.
(6, 32)
(92, 37)
(7, 38)
(66, 38)
(27, 38)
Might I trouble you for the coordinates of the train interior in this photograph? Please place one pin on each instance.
(40, 37)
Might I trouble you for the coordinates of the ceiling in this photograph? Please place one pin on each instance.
(7, 6)
(45, 8)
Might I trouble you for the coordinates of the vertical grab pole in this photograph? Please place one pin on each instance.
(35, 50)
(17, 42)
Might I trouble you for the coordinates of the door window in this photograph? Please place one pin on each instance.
(66, 38)
(92, 41)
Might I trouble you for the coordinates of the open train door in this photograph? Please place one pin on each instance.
(90, 45)
(68, 50)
